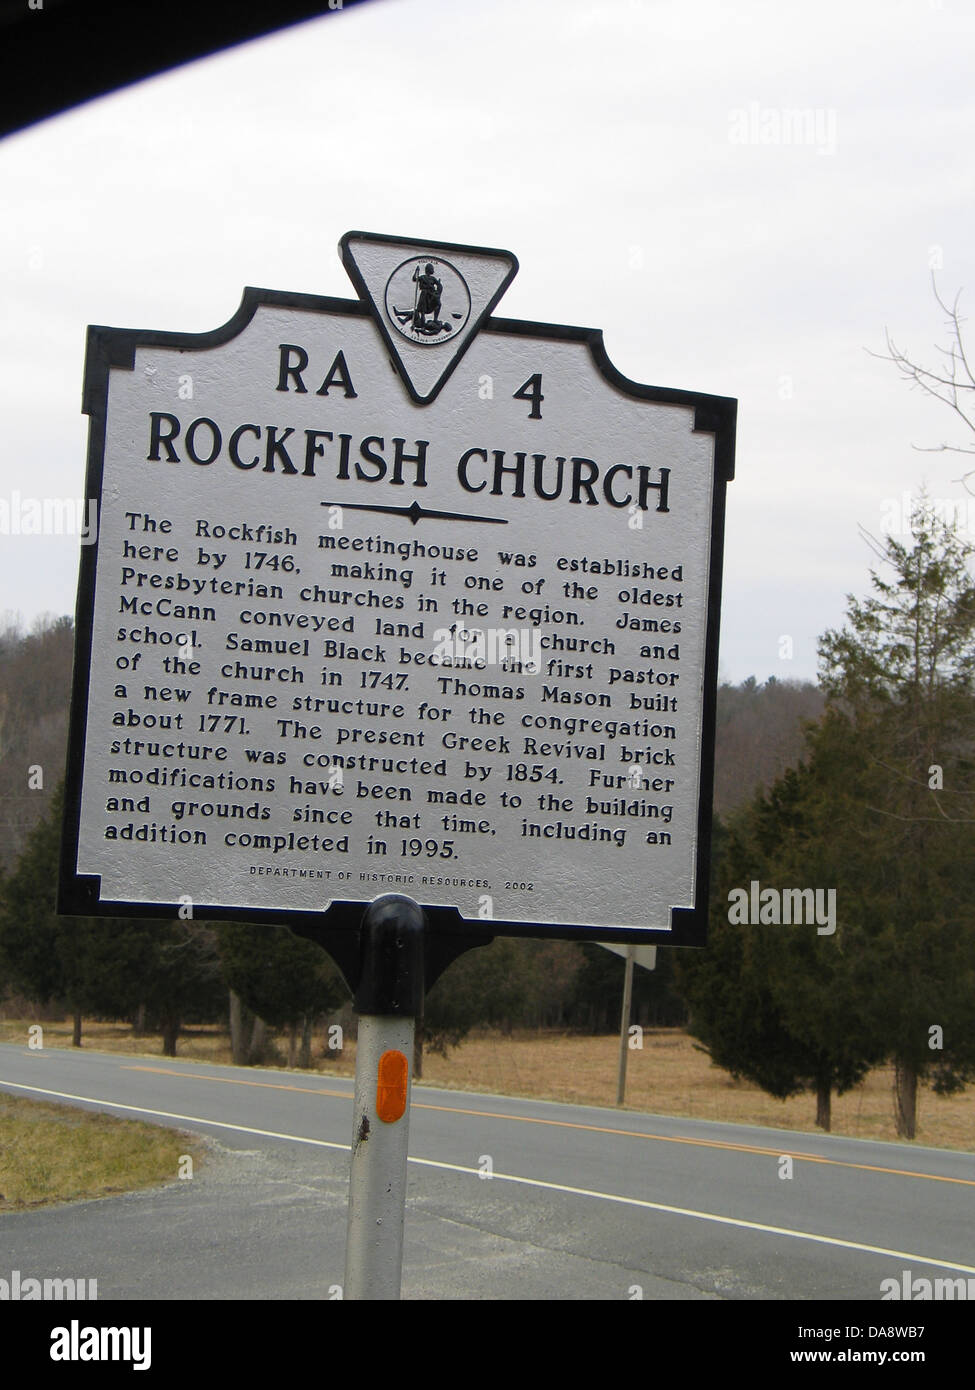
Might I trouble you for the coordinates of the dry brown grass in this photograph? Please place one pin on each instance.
(670, 1076)
(56, 1153)
(197, 1044)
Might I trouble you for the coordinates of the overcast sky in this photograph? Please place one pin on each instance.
(637, 158)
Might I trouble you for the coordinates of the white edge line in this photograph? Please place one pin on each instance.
(527, 1182)
(169, 1115)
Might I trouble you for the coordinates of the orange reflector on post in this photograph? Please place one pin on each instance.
(394, 1071)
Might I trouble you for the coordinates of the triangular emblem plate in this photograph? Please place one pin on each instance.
(428, 299)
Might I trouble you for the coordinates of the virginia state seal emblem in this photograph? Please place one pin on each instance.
(427, 300)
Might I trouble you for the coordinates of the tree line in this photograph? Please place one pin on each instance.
(161, 975)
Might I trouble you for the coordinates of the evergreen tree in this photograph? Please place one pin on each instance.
(184, 981)
(597, 992)
(284, 979)
(900, 677)
(777, 1004)
(46, 957)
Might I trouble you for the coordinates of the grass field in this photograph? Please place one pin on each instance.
(669, 1076)
(56, 1153)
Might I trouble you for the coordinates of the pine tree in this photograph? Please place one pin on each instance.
(184, 981)
(284, 979)
(774, 1003)
(486, 985)
(47, 957)
(900, 678)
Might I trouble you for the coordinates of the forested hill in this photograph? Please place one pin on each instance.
(758, 735)
(758, 728)
(35, 688)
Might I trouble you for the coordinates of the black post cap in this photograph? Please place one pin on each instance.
(391, 971)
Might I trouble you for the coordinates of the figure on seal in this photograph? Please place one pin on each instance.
(428, 297)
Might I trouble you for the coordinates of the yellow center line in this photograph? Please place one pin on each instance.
(239, 1081)
(572, 1124)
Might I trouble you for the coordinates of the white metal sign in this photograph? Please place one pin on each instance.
(393, 596)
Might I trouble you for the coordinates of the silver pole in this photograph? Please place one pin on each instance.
(625, 1025)
(387, 998)
(377, 1184)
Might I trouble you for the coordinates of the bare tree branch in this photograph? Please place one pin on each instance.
(945, 384)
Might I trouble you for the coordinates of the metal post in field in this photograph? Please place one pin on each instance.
(625, 1023)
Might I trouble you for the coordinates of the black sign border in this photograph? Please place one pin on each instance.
(79, 894)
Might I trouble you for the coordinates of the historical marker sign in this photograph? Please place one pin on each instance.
(390, 595)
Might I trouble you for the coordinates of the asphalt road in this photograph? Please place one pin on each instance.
(584, 1203)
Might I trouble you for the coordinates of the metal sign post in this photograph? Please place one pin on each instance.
(388, 998)
(625, 1025)
(645, 956)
